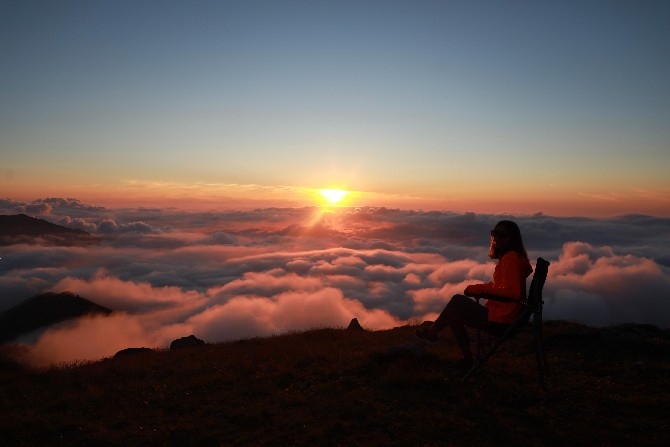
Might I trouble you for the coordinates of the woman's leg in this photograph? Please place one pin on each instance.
(458, 313)
(460, 309)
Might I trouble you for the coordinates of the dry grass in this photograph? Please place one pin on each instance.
(337, 387)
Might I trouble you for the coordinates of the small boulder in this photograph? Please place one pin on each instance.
(132, 351)
(186, 342)
(354, 325)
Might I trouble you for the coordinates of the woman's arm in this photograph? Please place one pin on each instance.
(507, 279)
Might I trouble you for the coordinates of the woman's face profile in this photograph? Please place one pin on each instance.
(500, 237)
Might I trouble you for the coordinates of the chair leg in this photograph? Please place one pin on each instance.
(479, 344)
(538, 357)
(545, 367)
(540, 354)
(481, 360)
(545, 364)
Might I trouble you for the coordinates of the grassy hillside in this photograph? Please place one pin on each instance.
(339, 387)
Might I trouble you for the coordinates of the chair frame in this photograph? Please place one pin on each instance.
(531, 307)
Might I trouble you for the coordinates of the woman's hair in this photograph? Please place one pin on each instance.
(515, 242)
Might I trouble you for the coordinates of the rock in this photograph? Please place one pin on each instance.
(354, 325)
(186, 342)
(132, 351)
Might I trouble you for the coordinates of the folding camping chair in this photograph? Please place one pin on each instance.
(502, 332)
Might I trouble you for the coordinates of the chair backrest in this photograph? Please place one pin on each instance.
(504, 331)
(537, 284)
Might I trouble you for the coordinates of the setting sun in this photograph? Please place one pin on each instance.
(333, 196)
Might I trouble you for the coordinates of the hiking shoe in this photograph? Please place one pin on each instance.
(425, 335)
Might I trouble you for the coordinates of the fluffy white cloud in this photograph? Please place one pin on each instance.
(239, 274)
(598, 287)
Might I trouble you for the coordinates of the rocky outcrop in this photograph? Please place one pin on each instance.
(354, 325)
(186, 342)
(132, 351)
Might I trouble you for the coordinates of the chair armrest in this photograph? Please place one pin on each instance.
(502, 299)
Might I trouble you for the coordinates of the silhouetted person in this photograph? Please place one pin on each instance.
(509, 280)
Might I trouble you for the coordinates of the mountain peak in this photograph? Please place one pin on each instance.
(44, 310)
(21, 228)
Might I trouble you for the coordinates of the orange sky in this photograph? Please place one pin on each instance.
(481, 199)
(519, 108)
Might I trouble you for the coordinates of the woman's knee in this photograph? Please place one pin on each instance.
(458, 301)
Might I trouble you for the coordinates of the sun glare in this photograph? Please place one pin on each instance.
(333, 196)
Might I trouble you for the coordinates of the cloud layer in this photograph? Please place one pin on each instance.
(235, 274)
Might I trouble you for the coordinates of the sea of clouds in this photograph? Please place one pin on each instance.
(225, 275)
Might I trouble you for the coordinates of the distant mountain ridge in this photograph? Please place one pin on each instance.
(21, 228)
(44, 310)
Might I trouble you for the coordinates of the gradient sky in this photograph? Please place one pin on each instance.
(525, 106)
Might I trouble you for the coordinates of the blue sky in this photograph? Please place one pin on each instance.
(559, 107)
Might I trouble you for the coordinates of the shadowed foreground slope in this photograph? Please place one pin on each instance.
(339, 387)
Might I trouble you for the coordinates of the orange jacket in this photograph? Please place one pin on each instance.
(509, 280)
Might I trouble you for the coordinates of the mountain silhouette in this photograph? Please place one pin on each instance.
(21, 228)
(44, 310)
